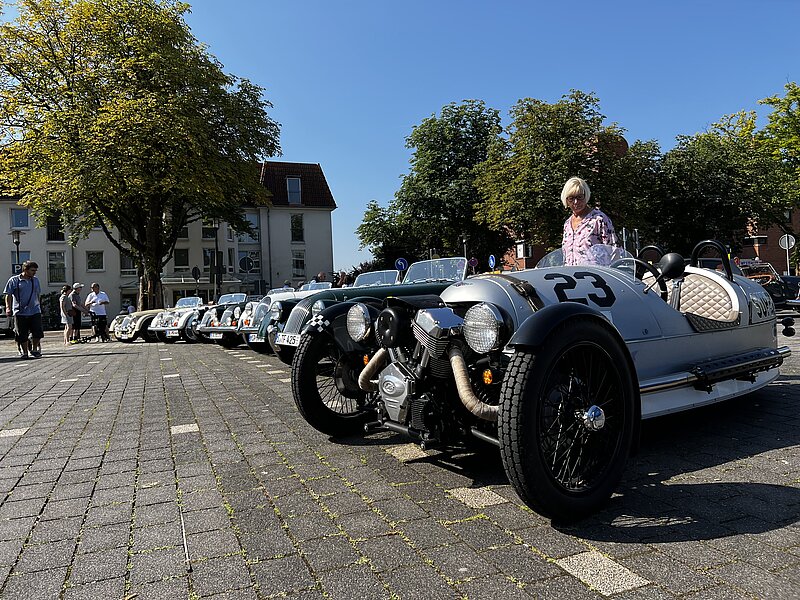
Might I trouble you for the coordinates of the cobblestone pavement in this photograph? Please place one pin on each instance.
(110, 452)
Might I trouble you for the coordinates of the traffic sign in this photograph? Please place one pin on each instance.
(246, 264)
(401, 264)
(492, 261)
(16, 268)
(196, 273)
(787, 241)
(473, 262)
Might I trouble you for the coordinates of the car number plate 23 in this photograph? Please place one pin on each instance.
(288, 339)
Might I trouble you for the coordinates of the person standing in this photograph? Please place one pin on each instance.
(96, 302)
(78, 310)
(65, 305)
(22, 301)
(587, 231)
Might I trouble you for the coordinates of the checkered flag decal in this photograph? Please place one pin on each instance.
(319, 323)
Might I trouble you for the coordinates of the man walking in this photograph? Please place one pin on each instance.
(96, 302)
(22, 301)
(78, 310)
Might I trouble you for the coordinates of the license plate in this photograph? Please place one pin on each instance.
(173, 333)
(217, 335)
(123, 336)
(254, 337)
(288, 339)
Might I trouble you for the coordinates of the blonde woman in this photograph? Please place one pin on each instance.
(585, 227)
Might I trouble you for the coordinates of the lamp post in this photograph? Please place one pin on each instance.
(15, 235)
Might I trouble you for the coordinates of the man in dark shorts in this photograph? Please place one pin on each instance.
(22, 300)
(78, 310)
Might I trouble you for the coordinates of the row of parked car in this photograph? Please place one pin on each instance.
(556, 366)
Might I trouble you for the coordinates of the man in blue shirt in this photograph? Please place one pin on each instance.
(22, 300)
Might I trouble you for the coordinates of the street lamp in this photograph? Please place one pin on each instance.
(15, 234)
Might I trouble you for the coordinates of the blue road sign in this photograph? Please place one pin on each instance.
(401, 264)
(16, 268)
(492, 261)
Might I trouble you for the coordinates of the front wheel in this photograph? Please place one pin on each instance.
(189, 332)
(325, 386)
(567, 420)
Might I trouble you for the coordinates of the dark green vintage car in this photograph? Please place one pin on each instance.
(287, 319)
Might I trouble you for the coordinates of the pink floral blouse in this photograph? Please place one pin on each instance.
(579, 245)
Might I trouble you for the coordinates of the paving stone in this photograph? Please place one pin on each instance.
(266, 544)
(756, 581)
(9, 550)
(218, 575)
(389, 552)
(329, 553)
(11, 529)
(492, 586)
(96, 539)
(459, 562)
(210, 544)
(55, 530)
(285, 574)
(419, 582)
(564, 586)
(157, 536)
(43, 557)
(44, 584)
(363, 525)
(99, 566)
(156, 514)
(108, 515)
(481, 533)
(157, 565)
(356, 581)
(521, 563)
(314, 525)
(160, 590)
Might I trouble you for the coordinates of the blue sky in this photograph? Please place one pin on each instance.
(350, 78)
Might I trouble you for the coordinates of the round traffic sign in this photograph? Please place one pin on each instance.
(401, 264)
(492, 261)
(246, 264)
(787, 241)
(196, 272)
(473, 262)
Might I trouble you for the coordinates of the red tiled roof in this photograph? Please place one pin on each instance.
(313, 185)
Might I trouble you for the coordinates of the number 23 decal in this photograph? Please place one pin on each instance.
(569, 283)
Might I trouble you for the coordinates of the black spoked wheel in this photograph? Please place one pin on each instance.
(325, 386)
(567, 420)
(189, 333)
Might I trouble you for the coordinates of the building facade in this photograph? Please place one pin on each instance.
(292, 240)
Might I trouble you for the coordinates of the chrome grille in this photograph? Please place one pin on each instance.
(299, 315)
(435, 347)
(440, 367)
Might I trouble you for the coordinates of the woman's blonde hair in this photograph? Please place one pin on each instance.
(575, 185)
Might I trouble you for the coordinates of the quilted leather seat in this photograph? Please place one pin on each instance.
(702, 295)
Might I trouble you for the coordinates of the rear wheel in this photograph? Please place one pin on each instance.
(567, 420)
(325, 386)
(229, 341)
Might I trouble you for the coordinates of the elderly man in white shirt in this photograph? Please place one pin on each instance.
(96, 302)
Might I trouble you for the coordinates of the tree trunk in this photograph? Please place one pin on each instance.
(151, 293)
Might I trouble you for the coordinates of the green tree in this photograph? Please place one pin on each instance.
(546, 144)
(718, 184)
(782, 136)
(113, 115)
(435, 205)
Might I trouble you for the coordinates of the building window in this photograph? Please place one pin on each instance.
(249, 261)
(524, 250)
(126, 265)
(297, 228)
(20, 218)
(229, 235)
(250, 238)
(56, 267)
(755, 240)
(209, 230)
(55, 230)
(181, 260)
(231, 259)
(183, 234)
(207, 254)
(94, 260)
(293, 190)
(298, 263)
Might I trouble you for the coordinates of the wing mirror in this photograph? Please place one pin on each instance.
(671, 265)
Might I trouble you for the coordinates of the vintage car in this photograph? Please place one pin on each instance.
(135, 326)
(556, 366)
(219, 322)
(423, 277)
(766, 275)
(179, 322)
(6, 322)
(256, 312)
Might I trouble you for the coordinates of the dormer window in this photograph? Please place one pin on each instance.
(293, 190)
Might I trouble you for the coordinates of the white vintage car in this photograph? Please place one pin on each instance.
(179, 322)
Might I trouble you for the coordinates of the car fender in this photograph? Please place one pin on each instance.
(535, 330)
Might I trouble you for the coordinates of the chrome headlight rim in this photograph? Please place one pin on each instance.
(359, 322)
(276, 310)
(318, 307)
(483, 327)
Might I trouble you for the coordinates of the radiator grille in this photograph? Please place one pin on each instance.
(435, 347)
(298, 316)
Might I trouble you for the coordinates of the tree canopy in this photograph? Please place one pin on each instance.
(435, 205)
(113, 115)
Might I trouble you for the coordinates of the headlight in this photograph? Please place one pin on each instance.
(483, 324)
(317, 307)
(275, 311)
(358, 322)
(236, 312)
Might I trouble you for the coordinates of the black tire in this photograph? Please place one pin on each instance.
(260, 347)
(229, 341)
(189, 333)
(161, 336)
(325, 387)
(580, 365)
